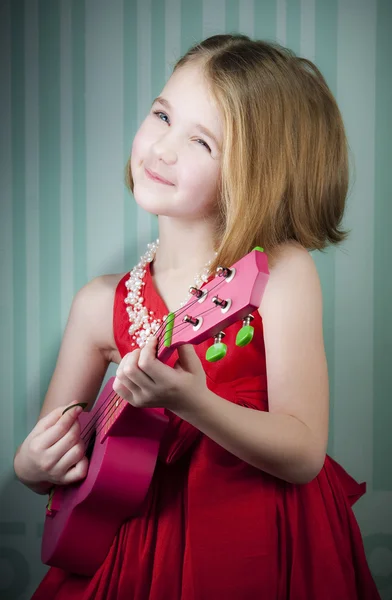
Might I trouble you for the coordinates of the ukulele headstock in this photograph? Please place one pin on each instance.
(232, 295)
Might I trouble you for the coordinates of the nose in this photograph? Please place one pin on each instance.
(164, 149)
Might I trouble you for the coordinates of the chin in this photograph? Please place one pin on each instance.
(167, 204)
(148, 201)
(150, 205)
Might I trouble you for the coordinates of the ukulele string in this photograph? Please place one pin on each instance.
(113, 407)
(106, 407)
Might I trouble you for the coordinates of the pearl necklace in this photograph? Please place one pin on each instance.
(143, 324)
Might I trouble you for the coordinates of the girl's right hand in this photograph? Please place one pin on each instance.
(53, 453)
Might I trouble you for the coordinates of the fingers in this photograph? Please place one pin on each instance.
(76, 473)
(69, 459)
(71, 440)
(149, 364)
(51, 418)
(125, 388)
(54, 448)
(65, 461)
(131, 375)
(58, 428)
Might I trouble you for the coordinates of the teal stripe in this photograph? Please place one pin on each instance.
(293, 25)
(191, 23)
(130, 125)
(265, 19)
(79, 144)
(326, 42)
(49, 185)
(232, 16)
(19, 218)
(158, 67)
(382, 385)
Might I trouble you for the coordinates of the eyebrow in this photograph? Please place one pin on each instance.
(198, 125)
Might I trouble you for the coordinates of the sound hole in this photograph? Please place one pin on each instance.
(90, 445)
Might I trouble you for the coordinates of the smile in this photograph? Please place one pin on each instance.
(157, 178)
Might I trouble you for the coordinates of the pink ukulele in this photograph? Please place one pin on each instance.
(122, 441)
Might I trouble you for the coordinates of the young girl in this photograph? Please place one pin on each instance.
(244, 147)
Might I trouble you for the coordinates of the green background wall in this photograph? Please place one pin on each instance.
(76, 79)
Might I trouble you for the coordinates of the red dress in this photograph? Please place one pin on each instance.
(215, 528)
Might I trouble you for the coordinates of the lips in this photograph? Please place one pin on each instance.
(155, 177)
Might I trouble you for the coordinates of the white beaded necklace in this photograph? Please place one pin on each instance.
(143, 324)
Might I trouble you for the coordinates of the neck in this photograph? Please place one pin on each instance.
(183, 247)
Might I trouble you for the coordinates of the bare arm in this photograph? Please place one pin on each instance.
(86, 350)
(84, 354)
(290, 440)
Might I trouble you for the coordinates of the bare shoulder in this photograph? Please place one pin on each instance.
(94, 304)
(293, 279)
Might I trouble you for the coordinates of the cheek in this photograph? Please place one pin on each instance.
(142, 142)
(200, 184)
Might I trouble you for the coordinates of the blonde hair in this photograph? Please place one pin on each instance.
(285, 171)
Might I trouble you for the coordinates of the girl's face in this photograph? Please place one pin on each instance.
(176, 141)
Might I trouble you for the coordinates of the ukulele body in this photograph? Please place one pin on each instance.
(82, 519)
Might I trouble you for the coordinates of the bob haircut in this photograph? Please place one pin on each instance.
(285, 171)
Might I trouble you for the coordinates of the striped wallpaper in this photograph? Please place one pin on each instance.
(76, 79)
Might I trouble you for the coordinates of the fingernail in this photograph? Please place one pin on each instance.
(82, 404)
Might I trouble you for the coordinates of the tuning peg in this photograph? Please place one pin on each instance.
(245, 334)
(226, 273)
(192, 320)
(196, 292)
(217, 350)
(220, 302)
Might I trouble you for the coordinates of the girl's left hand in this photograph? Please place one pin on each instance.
(145, 382)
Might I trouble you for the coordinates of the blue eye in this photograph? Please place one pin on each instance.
(159, 112)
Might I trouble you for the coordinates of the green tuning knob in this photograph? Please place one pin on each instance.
(245, 334)
(218, 350)
(259, 248)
